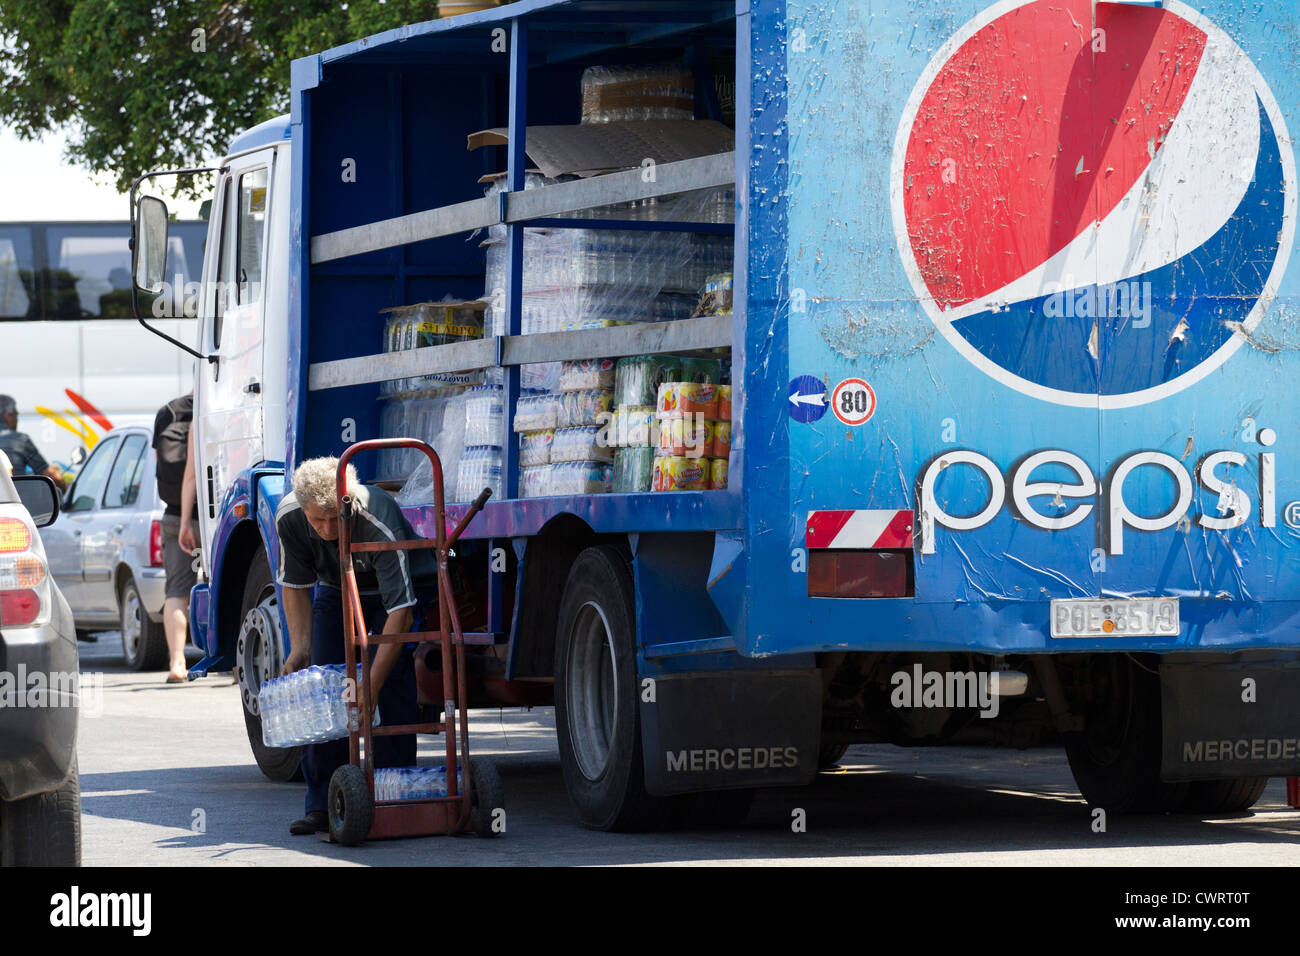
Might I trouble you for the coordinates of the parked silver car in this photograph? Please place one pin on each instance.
(105, 552)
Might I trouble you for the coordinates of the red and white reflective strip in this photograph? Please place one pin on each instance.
(886, 528)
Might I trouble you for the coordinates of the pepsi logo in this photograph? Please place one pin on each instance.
(1095, 204)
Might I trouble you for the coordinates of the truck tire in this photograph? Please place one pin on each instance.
(1214, 797)
(45, 829)
(597, 719)
(1115, 759)
(828, 755)
(259, 655)
(351, 807)
(710, 810)
(144, 643)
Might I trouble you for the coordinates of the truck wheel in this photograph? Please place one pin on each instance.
(711, 809)
(1213, 797)
(259, 655)
(597, 722)
(828, 755)
(45, 829)
(351, 808)
(486, 796)
(144, 643)
(1115, 759)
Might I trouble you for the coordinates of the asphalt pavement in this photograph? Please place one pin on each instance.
(168, 779)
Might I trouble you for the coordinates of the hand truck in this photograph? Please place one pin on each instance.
(354, 813)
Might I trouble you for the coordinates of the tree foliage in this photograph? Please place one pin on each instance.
(146, 84)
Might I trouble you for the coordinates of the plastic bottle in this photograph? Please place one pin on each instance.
(317, 720)
(280, 706)
(264, 712)
(280, 710)
(341, 701)
(325, 708)
(290, 723)
(286, 711)
(335, 708)
(301, 708)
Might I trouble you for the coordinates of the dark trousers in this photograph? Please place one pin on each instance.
(397, 700)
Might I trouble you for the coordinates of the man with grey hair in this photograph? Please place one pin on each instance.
(19, 446)
(396, 587)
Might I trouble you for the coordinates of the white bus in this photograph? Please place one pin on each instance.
(66, 323)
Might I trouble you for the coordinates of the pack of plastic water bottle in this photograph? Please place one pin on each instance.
(306, 707)
(413, 783)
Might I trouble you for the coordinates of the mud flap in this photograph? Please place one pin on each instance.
(721, 730)
(1231, 720)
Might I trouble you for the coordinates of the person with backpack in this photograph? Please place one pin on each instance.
(171, 442)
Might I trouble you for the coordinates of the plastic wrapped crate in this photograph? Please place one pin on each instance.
(664, 91)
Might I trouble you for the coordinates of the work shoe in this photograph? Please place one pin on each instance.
(314, 822)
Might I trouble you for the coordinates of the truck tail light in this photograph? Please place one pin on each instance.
(19, 608)
(860, 574)
(15, 535)
(155, 544)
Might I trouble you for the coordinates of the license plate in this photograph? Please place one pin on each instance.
(1127, 617)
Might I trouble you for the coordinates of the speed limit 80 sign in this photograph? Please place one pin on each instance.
(854, 401)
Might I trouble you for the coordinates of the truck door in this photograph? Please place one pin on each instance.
(228, 414)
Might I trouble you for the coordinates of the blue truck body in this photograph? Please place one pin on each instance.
(1044, 435)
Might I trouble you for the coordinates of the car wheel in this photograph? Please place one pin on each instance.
(259, 656)
(597, 719)
(45, 829)
(144, 642)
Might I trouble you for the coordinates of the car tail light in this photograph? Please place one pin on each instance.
(15, 535)
(860, 574)
(24, 581)
(155, 545)
(21, 571)
(19, 608)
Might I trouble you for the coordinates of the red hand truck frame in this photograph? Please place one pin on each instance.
(354, 813)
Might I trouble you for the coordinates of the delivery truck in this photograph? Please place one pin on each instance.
(994, 301)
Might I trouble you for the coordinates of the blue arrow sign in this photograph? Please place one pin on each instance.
(807, 399)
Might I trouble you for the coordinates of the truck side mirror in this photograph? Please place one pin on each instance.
(149, 252)
(149, 245)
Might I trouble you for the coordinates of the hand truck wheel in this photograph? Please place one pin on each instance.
(351, 808)
(486, 798)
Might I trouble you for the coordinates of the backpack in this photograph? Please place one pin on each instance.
(172, 444)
